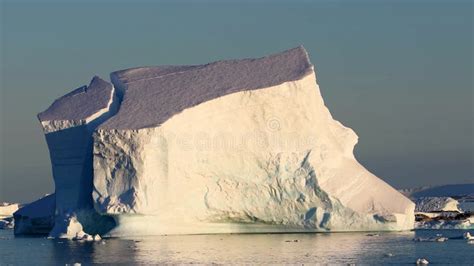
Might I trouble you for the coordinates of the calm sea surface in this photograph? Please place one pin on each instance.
(334, 248)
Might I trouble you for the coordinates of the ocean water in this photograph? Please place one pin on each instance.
(324, 248)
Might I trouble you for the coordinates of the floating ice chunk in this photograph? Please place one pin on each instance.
(431, 239)
(88, 237)
(67, 226)
(7, 223)
(441, 239)
(468, 236)
(422, 261)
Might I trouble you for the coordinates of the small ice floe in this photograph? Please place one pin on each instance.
(7, 223)
(422, 261)
(468, 236)
(374, 234)
(431, 239)
(79, 235)
(86, 237)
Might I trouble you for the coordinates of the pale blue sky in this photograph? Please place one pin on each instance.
(398, 72)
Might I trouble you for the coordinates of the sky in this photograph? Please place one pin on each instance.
(398, 72)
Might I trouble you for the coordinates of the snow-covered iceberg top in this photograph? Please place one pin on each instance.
(155, 94)
(79, 107)
(234, 146)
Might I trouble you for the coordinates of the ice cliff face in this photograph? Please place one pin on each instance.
(37, 217)
(231, 146)
(68, 125)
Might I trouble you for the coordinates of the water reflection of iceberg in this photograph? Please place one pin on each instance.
(262, 248)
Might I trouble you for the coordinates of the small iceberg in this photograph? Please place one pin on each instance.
(422, 261)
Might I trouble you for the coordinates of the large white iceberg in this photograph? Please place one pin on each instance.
(233, 146)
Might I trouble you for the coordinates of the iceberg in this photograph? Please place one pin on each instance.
(443, 207)
(441, 213)
(36, 218)
(436, 204)
(6, 214)
(7, 209)
(234, 146)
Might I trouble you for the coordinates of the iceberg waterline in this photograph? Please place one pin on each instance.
(227, 147)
